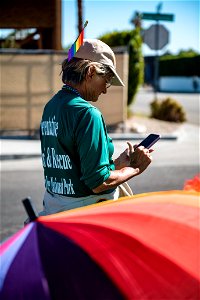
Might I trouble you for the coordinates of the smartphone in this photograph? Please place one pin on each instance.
(149, 141)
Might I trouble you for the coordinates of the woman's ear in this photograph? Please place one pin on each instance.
(90, 72)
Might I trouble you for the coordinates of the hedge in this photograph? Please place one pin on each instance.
(183, 66)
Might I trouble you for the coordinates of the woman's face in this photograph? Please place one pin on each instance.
(95, 86)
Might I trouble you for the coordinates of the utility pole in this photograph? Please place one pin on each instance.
(156, 37)
(80, 16)
(156, 61)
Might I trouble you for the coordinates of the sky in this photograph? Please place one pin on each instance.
(107, 16)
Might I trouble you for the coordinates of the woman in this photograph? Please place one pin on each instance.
(76, 149)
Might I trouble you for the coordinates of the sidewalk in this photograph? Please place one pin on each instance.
(19, 147)
(137, 128)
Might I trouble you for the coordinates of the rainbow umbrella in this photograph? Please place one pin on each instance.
(143, 247)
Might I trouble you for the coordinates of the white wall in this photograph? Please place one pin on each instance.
(179, 84)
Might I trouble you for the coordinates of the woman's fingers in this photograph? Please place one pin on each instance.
(130, 149)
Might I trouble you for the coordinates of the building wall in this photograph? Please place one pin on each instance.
(179, 84)
(28, 81)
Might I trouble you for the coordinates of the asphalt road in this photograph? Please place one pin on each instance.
(18, 185)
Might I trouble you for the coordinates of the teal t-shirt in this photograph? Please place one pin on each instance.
(76, 149)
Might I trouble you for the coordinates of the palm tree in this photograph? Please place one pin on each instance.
(80, 17)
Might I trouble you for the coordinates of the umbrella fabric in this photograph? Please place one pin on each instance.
(141, 247)
(193, 184)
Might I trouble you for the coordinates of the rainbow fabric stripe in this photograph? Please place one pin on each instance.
(74, 48)
(77, 44)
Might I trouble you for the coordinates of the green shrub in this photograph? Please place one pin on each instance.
(136, 66)
(168, 110)
(132, 39)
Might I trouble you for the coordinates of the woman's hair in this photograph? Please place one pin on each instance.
(75, 70)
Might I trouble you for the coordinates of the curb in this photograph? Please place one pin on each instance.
(18, 156)
(139, 136)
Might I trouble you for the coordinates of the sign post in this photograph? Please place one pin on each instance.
(157, 43)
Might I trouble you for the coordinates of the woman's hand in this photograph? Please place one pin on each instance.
(130, 163)
(140, 158)
(123, 160)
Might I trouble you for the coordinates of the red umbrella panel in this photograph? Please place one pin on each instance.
(143, 247)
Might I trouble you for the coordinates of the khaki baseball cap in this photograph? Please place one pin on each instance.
(98, 51)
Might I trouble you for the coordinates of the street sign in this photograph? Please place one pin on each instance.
(156, 37)
(157, 17)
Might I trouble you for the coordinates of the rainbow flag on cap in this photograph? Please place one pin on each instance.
(77, 44)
